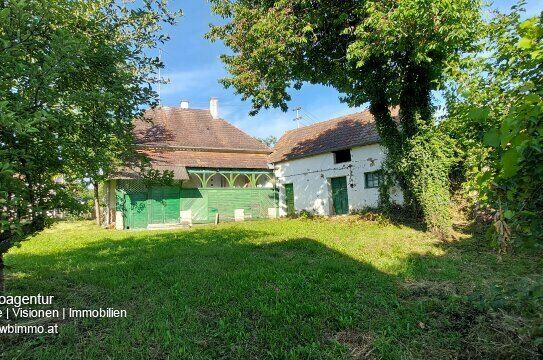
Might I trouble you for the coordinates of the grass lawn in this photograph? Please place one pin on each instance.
(277, 289)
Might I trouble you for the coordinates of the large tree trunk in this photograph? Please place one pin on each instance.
(97, 204)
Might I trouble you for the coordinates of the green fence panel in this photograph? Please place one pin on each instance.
(195, 200)
(255, 202)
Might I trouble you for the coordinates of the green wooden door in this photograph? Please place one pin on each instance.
(164, 205)
(170, 201)
(137, 217)
(289, 195)
(340, 199)
(156, 212)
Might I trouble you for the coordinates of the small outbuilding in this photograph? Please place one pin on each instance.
(330, 168)
(217, 168)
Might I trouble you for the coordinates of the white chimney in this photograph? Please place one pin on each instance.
(214, 107)
(184, 104)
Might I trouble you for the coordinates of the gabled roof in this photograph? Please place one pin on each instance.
(192, 128)
(178, 161)
(175, 138)
(344, 132)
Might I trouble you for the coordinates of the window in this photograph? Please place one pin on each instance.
(342, 156)
(372, 179)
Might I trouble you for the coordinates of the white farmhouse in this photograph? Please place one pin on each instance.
(330, 168)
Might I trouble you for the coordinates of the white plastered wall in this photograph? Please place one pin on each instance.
(311, 176)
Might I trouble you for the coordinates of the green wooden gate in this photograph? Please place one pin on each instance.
(164, 205)
(289, 195)
(340, 200)
(137, 214)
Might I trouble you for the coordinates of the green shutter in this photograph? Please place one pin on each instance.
(289, 194)
(340, 198)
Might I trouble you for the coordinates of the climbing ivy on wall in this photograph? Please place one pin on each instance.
(422, 166)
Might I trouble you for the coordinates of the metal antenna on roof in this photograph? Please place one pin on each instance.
(298, 117)
(159, 77)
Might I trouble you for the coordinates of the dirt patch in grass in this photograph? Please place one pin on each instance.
(360, 344)
(427, 289)
(501, 336)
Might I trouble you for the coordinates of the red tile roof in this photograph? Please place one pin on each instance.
(126, 173)
(207, 159)
(339, 133)
(170, 126)
(175, 138)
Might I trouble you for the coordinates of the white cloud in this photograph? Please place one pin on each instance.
(190, 81)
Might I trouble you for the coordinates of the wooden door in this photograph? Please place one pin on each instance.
(340, 200)
(164, 205)
(137, 218)
(289, 195)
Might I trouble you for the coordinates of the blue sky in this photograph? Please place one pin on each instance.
(193, 68)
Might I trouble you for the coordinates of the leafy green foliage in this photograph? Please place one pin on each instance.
(387, 53)
(426, 167)
(73, 76)
(496, 103)
(269, 141)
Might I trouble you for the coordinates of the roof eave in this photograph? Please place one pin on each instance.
(204, 148)
(285, 159)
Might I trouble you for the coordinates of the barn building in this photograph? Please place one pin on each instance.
(218, 169)
(331, 167)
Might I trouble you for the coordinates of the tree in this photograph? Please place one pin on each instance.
(496, 115)
(388, 53)
(269, 141)
(73, 76)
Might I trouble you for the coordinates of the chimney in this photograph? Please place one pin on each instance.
(184, 104)
(214, 107)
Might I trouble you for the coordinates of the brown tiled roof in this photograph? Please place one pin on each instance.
(179, 160)
(170, 126)
(207, 159)
(340, 133)
(179, 172)
(174, 139)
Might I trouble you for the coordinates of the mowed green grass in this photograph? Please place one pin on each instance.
(273, 289)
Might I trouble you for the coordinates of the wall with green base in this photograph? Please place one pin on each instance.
(142, 205)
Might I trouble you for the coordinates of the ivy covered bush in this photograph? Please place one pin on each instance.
(425, 166)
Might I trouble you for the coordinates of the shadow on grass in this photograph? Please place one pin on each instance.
(212, 293)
